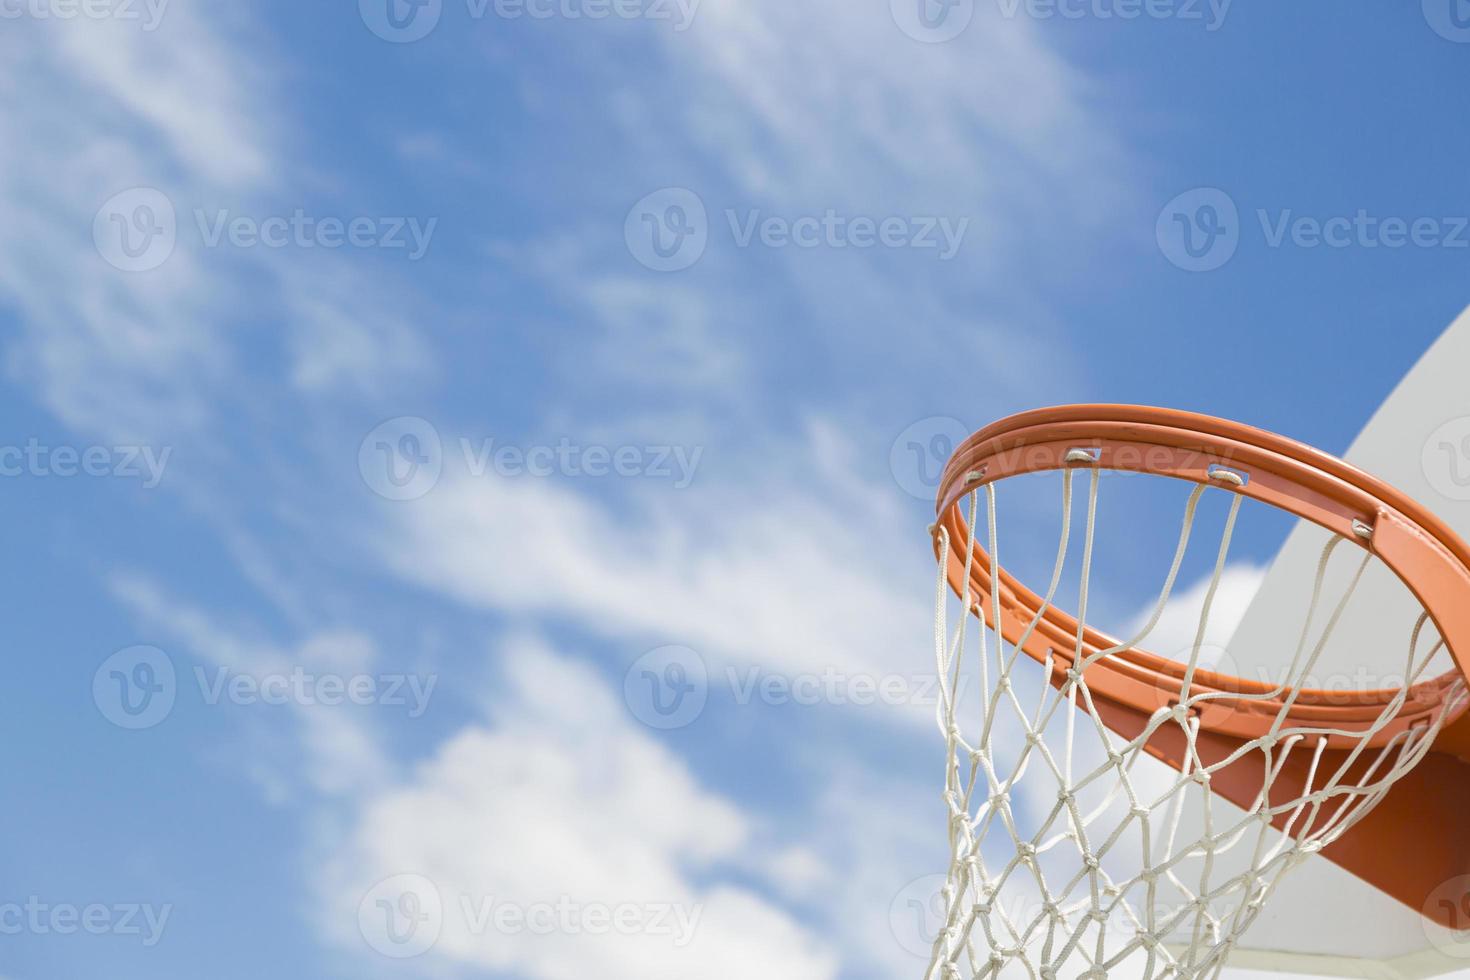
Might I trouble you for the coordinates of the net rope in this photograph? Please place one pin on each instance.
(1108, 869)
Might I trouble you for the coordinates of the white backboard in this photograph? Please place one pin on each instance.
(1322, 919)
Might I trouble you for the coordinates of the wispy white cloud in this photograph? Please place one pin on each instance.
(106, 108)
(563, 796)
(762, 572)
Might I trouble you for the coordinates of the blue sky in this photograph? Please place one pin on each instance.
(496, 295)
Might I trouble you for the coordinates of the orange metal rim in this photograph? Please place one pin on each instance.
(1415, 544)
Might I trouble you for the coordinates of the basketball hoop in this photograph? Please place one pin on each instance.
(1070, 853)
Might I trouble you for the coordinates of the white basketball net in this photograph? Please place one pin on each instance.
(1067, 856)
